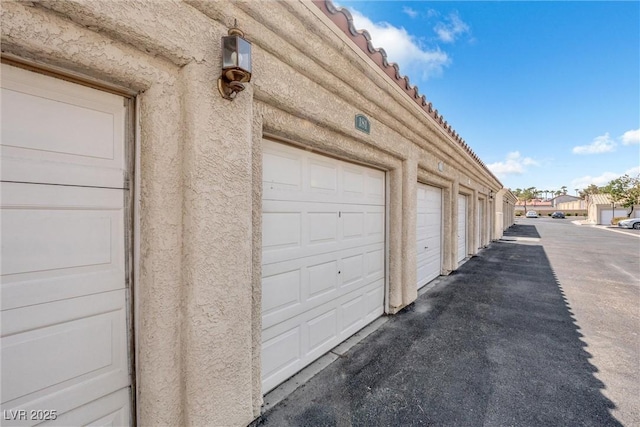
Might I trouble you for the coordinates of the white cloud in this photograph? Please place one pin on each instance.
(600, 180)
(631, 137)
(411, 12)
(603, 179)
(633, 171)
(600, 144)
(514, 164)
(402, 48)
(450, 30)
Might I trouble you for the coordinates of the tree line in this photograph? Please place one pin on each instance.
(623, 191)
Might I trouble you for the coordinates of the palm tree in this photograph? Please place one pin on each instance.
(527, 195)
(564, 189)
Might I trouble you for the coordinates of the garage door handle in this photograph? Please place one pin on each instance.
(426, 247)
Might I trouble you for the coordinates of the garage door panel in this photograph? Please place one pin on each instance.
(352, 313)
(95, 333)
(374, 301)
(296, 175)
(322, 330)
(352, 269)
(286, 350)
(356, 308)
(323, 227)
(62, 173)
(374, 293)
(323, 279)
(375, 263)
(353, 225)
(281, 230)
(375, 186)
(421, 222)
(281, 291)
(282, 170)
(60, 242)
(462, 227)
(323, 177)
(78, 132)
(111, 410)
(302, 284)
(280, 352)
(479, 223)
(78, 338)
(56, 240)
(354, 183)
(92, 136)
(297, 229)
(375, 224)
(30, 289)
(373, 253)
(23, 196)
(361, 269)
(428, 233)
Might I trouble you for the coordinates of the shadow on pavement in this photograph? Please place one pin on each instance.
(493, 345)
(521, 230)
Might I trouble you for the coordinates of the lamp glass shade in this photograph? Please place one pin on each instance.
(236, 54)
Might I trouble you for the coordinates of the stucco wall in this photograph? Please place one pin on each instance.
(505, 214)
(198, 290)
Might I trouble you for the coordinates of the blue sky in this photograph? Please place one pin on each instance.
(546, 93)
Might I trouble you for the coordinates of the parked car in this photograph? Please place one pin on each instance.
(532, 214)
(630, 223)
(557, 214)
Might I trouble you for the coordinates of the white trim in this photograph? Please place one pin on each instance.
(387, 238)
(136, 252)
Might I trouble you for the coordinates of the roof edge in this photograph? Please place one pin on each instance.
(343, 20)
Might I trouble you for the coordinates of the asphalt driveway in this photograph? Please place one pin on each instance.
(497, 343)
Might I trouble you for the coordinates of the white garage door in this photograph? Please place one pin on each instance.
(606, 215)
(480, 223)
(323, 272)
(462, 227)
(429, 233)
(64, 317)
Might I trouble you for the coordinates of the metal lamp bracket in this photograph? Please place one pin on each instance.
(229, 90)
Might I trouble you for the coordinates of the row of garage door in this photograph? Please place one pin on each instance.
(65, 294)
(324, 253)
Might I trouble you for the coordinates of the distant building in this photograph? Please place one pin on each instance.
(601, 210)
(563, 198)
(534, 202)
(574, 205)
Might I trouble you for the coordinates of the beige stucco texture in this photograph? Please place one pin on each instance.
(198, 222)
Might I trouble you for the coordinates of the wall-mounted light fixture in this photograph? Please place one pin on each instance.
(236, 64)
(490, 194)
